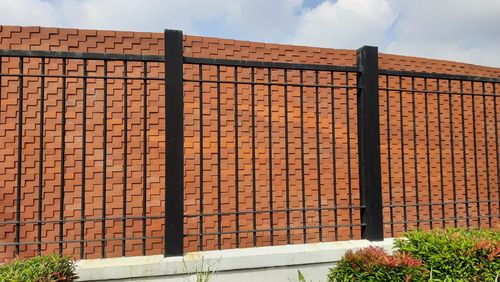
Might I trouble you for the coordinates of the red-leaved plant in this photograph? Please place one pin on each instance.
(375, 264)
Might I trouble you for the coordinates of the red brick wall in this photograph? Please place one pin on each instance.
(34, 38)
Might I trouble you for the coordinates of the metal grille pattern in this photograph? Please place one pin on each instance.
(440, 151)
(275, 152)
(80, 99)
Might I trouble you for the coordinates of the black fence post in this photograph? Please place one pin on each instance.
(369, 144)
(174, 141)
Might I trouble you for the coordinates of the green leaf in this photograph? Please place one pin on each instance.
(301, 276)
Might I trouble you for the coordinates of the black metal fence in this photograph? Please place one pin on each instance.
(249, 93)
(445, 157)
(41, 74)
(293, 194)
(374, 200)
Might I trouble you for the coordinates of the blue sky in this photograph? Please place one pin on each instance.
(458, 30)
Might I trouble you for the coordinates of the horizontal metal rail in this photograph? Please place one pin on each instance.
(81, 76)
(329, 86)
(230, 62)
(80, 241)
(87, 219)
(443, 219)
(275, 229)
(275, 211)
(438, 76)
(425, 92)
(80, 55)
(273, 65)
(438, 203)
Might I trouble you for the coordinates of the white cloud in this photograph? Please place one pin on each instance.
(27, 12)
(145, 15)
(344, 24)
(264, 20)
(245, 19)
(461, 30)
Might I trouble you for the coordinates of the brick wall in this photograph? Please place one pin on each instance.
(396, 112)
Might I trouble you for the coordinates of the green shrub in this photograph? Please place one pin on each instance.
(40, 268)
(439, 255)
(455, 254)
(375, 264)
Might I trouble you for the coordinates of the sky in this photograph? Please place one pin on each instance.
(458, 30)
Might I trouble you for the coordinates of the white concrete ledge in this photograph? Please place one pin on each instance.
(225, 262)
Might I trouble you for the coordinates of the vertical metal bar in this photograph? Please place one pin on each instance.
(219, 194)
(144, 155)
(270, 156)
(19, 154)
(236, 158)
(63, 157)
(254, 184)
(450, 108)
(466, 190)
(369, 143)
(388, 121)
(496, 137)
(302, 159)
(40, 156)
(318, 155)
(349, 173)
(415, 162)
(476, 170)
(490, 222)
(428, 153)
(334, 158)
(174, 137)
(200, 85)
(440, 140)
(84, 153)
(403, 162)
(287, 172)
(125, 158)
(104, 160)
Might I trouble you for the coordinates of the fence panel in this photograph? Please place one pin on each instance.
(77, 131)
(440, 153)
(271, 154)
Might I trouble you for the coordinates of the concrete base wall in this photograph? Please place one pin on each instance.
(280, 263)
